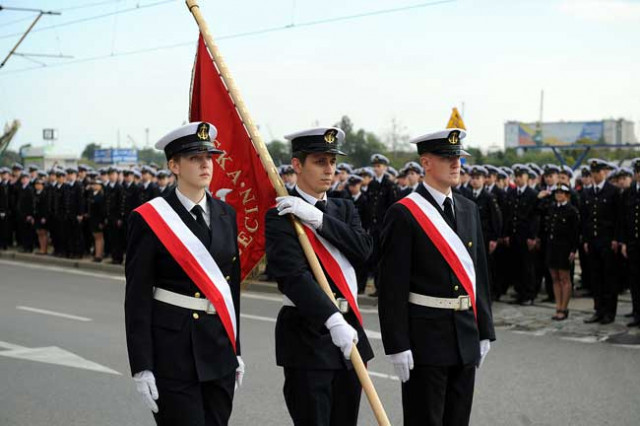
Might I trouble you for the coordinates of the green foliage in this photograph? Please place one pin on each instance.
(9, 157)
(280, 152)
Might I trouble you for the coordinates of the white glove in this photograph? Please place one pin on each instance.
(300, 208)
(239, 372)
(342, 334)
(403, 364)
(146, 385)
(485, 347)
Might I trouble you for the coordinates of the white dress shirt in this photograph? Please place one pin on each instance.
(188, 204)
(440, 197)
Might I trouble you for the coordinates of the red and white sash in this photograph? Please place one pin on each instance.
(194, 258)
(446, 241)
(338, 267)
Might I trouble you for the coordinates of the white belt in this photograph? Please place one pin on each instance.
(182, 301)
(343, 304)
(461, 303)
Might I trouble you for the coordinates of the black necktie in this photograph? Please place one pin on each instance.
(448, 213)
(596, 190)
(197, 210)
(321, 205)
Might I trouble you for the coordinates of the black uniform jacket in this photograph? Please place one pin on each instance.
(521, 218)
(490, 215)
(601, 215)
(302, 340)
(167, 339)
(410, 262)
(631, 216)
(381, 196)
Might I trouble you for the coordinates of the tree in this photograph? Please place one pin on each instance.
(89, 151)
(280, 152)
(359, 145)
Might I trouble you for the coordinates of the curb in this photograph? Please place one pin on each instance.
(250, 285)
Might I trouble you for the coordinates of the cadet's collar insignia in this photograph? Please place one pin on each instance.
(454, 137)
(330, 135)
(203, 132)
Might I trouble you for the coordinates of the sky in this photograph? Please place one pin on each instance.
(131, 70)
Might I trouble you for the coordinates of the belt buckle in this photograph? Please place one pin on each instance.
(464, 303)
(211, 310)
(343, 305)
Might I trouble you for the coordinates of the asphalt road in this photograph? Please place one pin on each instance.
(63, 362)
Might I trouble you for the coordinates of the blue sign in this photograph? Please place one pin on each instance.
(115, 156)
(124, 156)
(102, 156)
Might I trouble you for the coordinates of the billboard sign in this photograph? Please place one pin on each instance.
(559, 133)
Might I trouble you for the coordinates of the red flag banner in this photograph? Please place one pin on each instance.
(239, 178)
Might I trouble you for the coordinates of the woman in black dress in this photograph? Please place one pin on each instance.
(41, 214)
(562, 242)
(96, 210)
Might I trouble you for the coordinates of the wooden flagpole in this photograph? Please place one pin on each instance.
(276, 181)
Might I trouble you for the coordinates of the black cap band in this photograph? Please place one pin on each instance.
(316, 143)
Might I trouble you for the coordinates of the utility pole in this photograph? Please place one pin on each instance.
(35, 21)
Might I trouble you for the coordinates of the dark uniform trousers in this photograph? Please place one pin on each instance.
(321, 387)
(114, 232)
(5, 214)
(445, 343)
(73, 205)
(521, 224)
(491, 222)
(190, 355)
(631, 237)
(602, 225)
(381, 196)
(362, 205)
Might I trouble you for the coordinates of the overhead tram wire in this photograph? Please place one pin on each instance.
(237, 35)
(91, 18)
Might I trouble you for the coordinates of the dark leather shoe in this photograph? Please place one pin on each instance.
(593, 319)
(629, 315)
(606, 320)
(634, 323)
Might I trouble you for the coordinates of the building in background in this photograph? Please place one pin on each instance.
(611, 132)
(47, 157)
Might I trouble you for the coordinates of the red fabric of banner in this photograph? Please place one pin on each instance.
(238, 177)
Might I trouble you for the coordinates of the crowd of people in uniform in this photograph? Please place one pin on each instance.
(536, 221)
(74, 212)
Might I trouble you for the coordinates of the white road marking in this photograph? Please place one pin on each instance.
(384, 376)
(53, 313)
(53, 355)
(66, 270)
(249, 295)
(257, 318)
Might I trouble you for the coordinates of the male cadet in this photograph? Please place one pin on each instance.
(288, 176)
(4, 208)
(601, 212)
(24, 213)
(163, 182)
(382, 194)
(521, 223)
(114, 232)
(339, 188)
(182, 303)
(413, 172)
(148, 188)
(57, 214)
(359, 199)
(490, 221)
(434, 303)
(73, 201)
(631, 240)
(314, 338)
